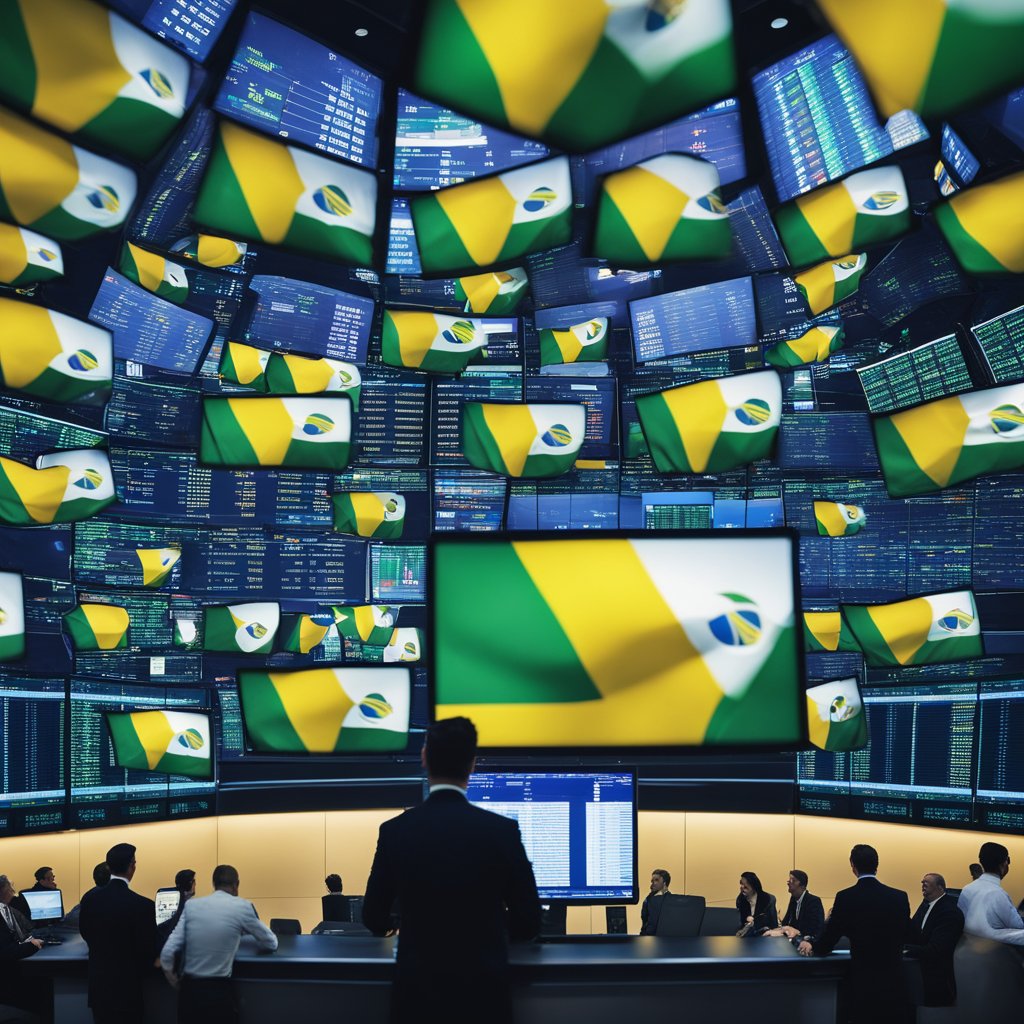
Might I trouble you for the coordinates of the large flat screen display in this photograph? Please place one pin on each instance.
(625, 641)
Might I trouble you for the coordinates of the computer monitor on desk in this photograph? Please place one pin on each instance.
(167, 902)
(46, 908)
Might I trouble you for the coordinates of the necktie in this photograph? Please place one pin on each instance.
(11, 921)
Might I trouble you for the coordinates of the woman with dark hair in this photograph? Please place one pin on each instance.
(756, 907)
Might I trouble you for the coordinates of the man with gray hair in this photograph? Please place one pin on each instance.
(934, 932)
(16, 943)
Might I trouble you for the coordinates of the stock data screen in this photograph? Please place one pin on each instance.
(436, 147)
(398, 573)
(157, 414)
(753, 231)
(909, 378)
(24, 435)
(298, 316)
(286, 84)
(562, 276)
(578, 829)
(781, 309)
(447, 398)
(823, 782)
(108, 553)
(46, 551)
(467, 500)
(391, 426)
(598, 394)
(403, 253)
(583, 499)
(1000, 785)
(840, 442)
(31, 742)
(958, 166)
(192, 25)
(148, 330)
(1002, 344)
(713, 316)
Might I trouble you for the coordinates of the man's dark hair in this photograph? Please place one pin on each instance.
(664, 874)
(41, 872)
(939, 880)
(864, 858)
(451, 747)
(101, 874)
(976, 870)
(224, 875)
(120, 857)
(183, 879)
(754, 881)
(333, 883)
(992, 857)
(800, 876)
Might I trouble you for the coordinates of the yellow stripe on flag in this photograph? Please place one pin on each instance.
(31, 342)
(481, 290)
(831, 215)
(315, 703)
(416, 333)
(934, 434)
(649, 204)
(817, 730)
(369, 511)
(365, 623)
(108, 624)
(474, 209)
(818, 284)
(993, 215)
(698, 412)
(267, 426)
(831, 517)
(267, 176)
(155, 734)
(513, 429)
(41, 491)
(150, 267)
(37, 169)
(825, 627)
(13, 254)
(904, 626)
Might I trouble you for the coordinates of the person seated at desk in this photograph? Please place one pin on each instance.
(46, 881)
(335, 905)
(651, 909)
(757, 909)
(935, 930)
(185, 883)
(805, 915)
(17, 943)
(988, 911)
(100, 877)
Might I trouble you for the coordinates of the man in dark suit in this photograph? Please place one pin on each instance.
(463, 887)
(119, 927)
(805, 915)
(875, 918)
(935, 930)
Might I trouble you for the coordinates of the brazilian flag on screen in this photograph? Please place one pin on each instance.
(574, 643)
(290, 374)
(522, 439)
(244, 364)
(497, 293)
(98, 627)
(839, 518)
(243, 628)
(932, 56)
(27, 258)
(212, 250)
(52, 356)
(12, 617)
(831, 282)
(59, 189)
(271, 192)
(813, 346)
(432, 342)
(578, 74)
(157, 564)
(491, 220)
(302, 632)
(176, 742)
(64, 487)
(156, 274)
(581, 343)
(89, 72)
(985, 226)
(835, 716)
(307, 433)
(920, 631)
(826, 631)
(326, 710)
(372, 623)
(379, 515)
(406, 644)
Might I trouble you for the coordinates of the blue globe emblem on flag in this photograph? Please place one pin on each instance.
(852, 513)
(103, 197)
(557, 436)
(712, 202)
(881, 200)
(461, 332)
(332, 200)
(46, 255)
(847, 264)
(1006, 419)
(594, 329)
(410, 652)
(753, 412)
(374, 708)
(90, 480)
(322, 619)
(955, 621)
(662, 12)
(740, 626)
(83, 361)
(390, 507)
(256, 630)
(190, 739)
(539, 198)
(157, 81)
(841, 709)
(317, 423)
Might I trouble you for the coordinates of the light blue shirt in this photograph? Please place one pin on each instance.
(989, 912)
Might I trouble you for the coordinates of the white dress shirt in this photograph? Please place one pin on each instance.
(927, 913)
(989, 912)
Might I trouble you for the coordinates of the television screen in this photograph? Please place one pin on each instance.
(193, 27)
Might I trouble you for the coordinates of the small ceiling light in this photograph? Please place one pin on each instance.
(361, 32)
(776, 22)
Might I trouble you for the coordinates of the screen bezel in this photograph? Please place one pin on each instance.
(156, 902)
(30, 895)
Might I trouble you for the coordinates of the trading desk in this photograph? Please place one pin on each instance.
(600, 980)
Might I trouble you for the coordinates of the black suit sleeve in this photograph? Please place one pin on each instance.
(144, 935)
(941, 939)
(380, 890)
(520, 893)
(813, 917)
(10, 948)
(835, 928)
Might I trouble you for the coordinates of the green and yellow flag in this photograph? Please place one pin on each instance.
(12, 617)
(376, 514)
(494, 219)
(584, 343)
(157, 564)
(813, 346)
(864, 209)
(241, 628)
(406, 644)
(302, 632)
(27, 258)
(522, 439)
(831, 282)
(327, 710)
(186, 633)
(713, 425)
(594, 634)
(579, 75)
(309, 433)
(430, 341)
(63, 488)
(985, 226)
(90, 73)
(275, 193)
(176, 742)
(59, 189)
(244, 364)
(53, 356)
(289, 374)
(826, 631)
(155, 273)
(666, 208)
(838, 518)
(835, 716)
(497, 293)
(921, 631)
(212, 250)
(98, 627)
(372, 623)
(951, 440)
(932, 56)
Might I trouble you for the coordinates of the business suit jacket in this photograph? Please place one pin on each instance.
(811, 919)
(463, 886)
(933, 946)
(119, 926)
(766, 914)
(875, 918)
(11, 947)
